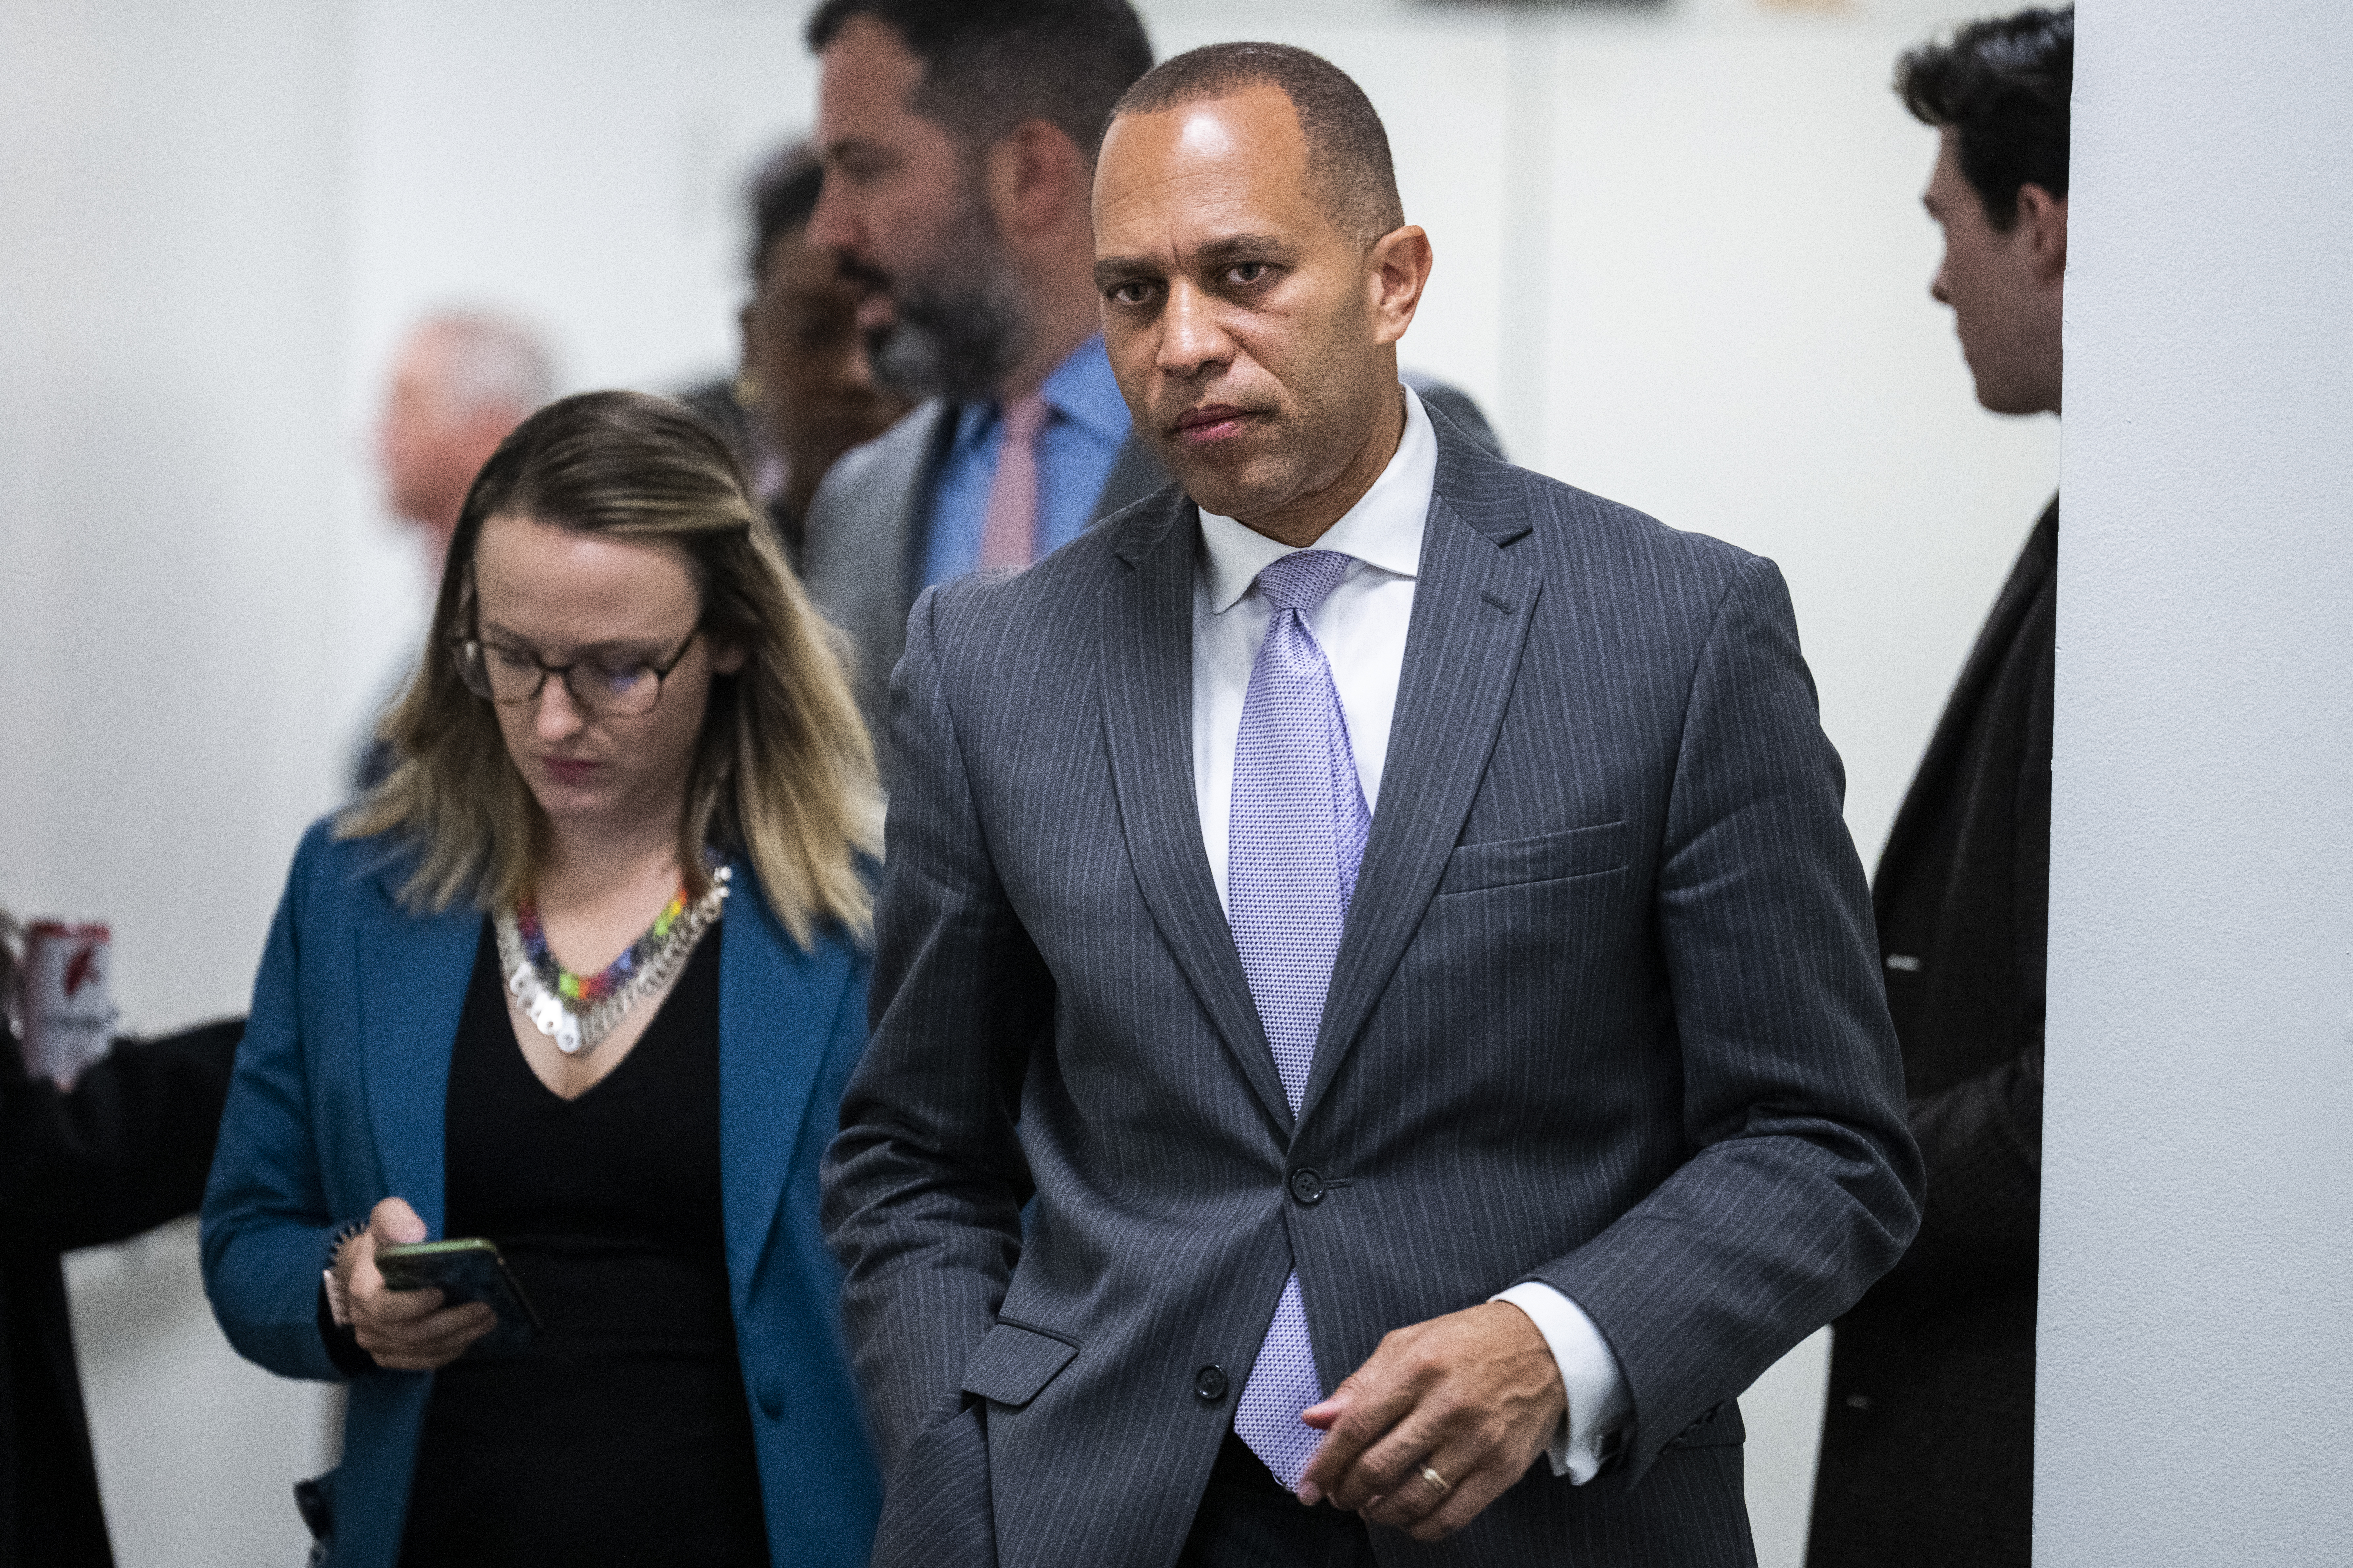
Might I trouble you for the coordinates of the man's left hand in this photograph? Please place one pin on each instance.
(1474, 1396)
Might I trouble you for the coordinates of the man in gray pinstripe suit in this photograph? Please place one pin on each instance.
(1392, 914)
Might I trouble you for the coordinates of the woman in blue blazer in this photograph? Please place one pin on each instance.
(629, 736)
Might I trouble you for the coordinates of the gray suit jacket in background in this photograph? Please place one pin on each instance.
(868, 529)
(1606, 1014)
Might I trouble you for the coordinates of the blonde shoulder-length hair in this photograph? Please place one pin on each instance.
(783, 771)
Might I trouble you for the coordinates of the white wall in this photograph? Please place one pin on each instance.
(171, 318)
(2196, 1280)
(1681, 262)
(170, 329)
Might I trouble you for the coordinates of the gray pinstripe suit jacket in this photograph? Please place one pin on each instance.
(1606, 1013)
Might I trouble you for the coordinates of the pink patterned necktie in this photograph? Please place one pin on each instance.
(1009, 533)
(1295, 838)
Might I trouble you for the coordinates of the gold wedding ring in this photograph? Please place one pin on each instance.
(1434, 1479)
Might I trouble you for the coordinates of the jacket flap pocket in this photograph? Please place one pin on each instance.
(1548, 857)
(1014, 1362)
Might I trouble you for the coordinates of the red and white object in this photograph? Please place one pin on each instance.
(69, 1008)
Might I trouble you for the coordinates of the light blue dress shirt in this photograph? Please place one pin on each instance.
(1086, 424)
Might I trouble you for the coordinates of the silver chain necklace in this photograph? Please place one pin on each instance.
(576, 1027)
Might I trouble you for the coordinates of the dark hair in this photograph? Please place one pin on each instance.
(782, 195)
(2003, 86)
(989, 65)
(1348, 164)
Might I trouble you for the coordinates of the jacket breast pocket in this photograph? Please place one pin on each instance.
(1014, 1363)
(1547, 857)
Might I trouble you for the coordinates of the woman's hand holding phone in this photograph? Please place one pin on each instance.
(403, 1331)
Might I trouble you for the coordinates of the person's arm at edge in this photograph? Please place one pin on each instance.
(124, 1151)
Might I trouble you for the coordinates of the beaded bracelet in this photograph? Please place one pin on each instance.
(338, 1305)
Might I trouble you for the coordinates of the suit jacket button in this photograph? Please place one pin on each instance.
(1209, 1385)
(1307, 1186)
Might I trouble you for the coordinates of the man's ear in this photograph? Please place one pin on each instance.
(2043, 218)
(1032, 175)
(1396, 270)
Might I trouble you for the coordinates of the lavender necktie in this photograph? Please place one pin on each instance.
(1295, 839)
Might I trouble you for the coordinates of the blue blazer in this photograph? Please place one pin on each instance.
(337, 1103)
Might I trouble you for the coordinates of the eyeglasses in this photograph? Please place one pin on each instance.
(614, 687)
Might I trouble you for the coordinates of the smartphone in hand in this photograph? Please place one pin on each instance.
(466, 1269)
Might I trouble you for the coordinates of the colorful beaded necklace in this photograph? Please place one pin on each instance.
(585, 991)
(575, 1010)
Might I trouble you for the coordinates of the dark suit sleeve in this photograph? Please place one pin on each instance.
(1802, 1184)
(924, 1184)
(124, 1151)
(1981, 1141)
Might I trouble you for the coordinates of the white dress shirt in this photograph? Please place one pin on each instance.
(1361, 627)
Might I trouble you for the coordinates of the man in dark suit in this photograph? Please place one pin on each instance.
(122, 1151)
(1928, 1441)
(959, 137)
(1389, 912)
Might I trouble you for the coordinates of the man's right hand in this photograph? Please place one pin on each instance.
(404, 1330)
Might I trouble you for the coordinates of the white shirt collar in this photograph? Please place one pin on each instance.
(1383, 530)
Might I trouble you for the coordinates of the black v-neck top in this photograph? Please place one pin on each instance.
(622, 1435)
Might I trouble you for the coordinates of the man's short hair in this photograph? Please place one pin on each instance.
(2003, 86)
(988, 64)
(1348, 164)
(783, 197)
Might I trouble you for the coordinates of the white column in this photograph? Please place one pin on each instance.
(2196, 1348)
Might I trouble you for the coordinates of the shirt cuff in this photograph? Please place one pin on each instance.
(335, 1330)
(342, 1341)
(1589, 1375)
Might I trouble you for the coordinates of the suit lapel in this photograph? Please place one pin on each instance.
(1909, 837)
(1145, 635)
(1471, 608)
(776, 1007)
(413, 977)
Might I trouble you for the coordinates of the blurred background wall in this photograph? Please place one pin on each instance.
(1680, 261)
